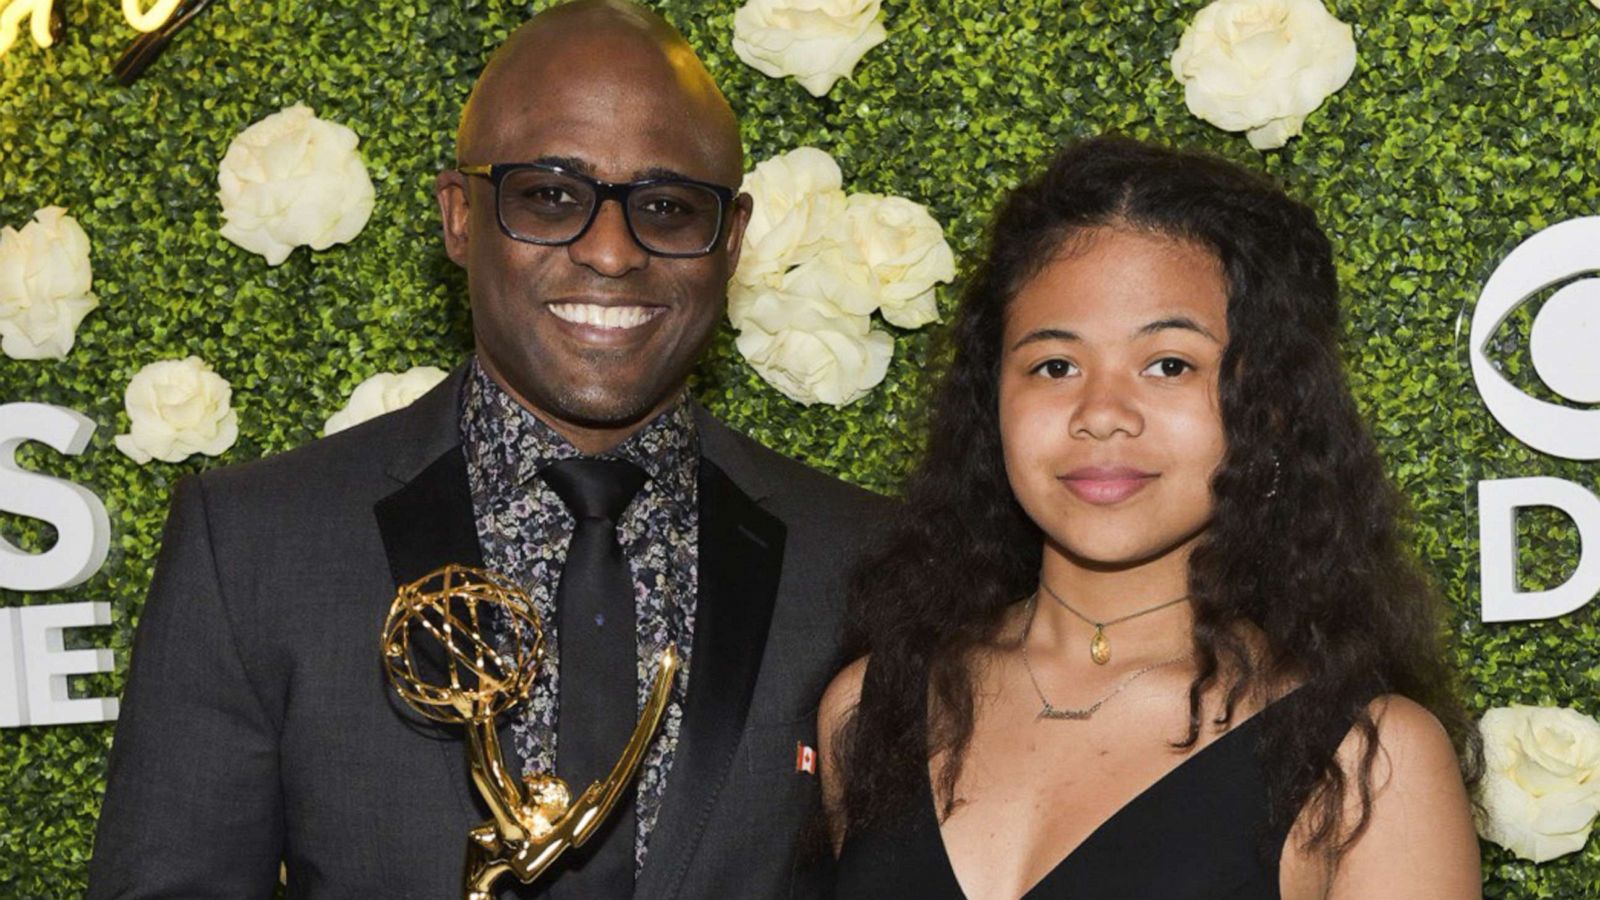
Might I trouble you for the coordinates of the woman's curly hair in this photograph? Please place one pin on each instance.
(1305, 542)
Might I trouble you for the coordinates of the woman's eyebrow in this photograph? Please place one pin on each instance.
(1180, 322)
(1045, 334)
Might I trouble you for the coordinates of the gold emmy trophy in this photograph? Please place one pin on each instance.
(533, 820)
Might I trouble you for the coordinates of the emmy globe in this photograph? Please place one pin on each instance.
(439, 659)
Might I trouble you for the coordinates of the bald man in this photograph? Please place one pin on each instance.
(594, 207)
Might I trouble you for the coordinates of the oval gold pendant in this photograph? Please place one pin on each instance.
(1100, 648)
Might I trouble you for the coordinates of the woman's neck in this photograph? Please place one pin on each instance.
(1072, 591)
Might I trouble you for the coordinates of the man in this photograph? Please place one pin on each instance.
(594, 209)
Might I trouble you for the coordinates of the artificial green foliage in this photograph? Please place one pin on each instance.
(1467, 127)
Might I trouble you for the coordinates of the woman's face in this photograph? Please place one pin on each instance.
(1108, 395)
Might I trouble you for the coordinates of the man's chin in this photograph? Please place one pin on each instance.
(606, 410)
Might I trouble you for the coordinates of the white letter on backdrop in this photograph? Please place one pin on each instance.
(83, 532)
(48, 663)
(1498, 502)
(13, 701)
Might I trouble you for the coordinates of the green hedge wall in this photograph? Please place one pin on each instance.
(1467, 127)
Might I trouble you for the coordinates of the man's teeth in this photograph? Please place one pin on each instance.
(604, 316)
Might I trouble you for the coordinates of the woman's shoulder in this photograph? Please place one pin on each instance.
(1414, 757)
(842, 695)
(839, 701)
(1409, 736)
(1417, 835)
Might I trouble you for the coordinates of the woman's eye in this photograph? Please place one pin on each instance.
(1054, 368)
(1169, 367)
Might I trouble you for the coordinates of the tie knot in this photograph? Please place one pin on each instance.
(594, 488)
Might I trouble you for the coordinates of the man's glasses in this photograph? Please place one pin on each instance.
(552, 206)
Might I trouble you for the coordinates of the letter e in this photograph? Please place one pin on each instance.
(13, 697)
(48, 663)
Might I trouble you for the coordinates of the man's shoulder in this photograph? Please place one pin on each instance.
(353, 463)
(787, 486)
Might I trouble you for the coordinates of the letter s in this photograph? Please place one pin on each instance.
(82, 527)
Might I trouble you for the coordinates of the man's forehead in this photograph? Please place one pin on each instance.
(608, 142)
(618, 115)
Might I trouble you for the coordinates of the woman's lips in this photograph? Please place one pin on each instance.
(1106, 485)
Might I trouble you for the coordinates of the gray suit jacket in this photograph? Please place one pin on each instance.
(257, 725)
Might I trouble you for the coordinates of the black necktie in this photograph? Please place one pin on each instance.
(597, 635)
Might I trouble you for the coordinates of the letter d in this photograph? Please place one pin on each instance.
(83, 532)
(1498, 502)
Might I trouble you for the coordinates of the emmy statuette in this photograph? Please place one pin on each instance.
(533, 820)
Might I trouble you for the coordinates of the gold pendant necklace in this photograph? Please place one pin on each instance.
(1047, 710)
(1099, 645)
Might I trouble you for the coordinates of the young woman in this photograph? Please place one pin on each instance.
(1148, 628)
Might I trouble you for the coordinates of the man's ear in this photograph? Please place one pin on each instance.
(450, 190)
(740, 217)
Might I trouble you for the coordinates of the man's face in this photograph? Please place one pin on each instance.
(598, 334)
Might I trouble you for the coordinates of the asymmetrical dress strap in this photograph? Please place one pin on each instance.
(1200, 832)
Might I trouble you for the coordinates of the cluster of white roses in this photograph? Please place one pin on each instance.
(290, 179)
(45, 282)
(816, 264)
(1541, 782)
(293, 179)
(180, 407)
(1262, 66)
(817, 42)
(1257, 66)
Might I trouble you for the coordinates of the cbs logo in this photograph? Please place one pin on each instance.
(1565, 346)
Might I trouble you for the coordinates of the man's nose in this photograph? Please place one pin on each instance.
(608, 247)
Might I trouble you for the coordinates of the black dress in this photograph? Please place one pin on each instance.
(1201, 832)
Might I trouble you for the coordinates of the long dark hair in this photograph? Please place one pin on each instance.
(1304, 544)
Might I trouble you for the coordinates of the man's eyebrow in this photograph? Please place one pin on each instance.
(1045, 334)
(570, 163)
(661, 172)
(573, 164)
(1180, 322)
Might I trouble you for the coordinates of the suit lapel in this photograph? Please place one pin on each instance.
(741, 557)
(426, 524)
(429, 522)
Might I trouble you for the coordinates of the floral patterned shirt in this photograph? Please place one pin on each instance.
(524, 528)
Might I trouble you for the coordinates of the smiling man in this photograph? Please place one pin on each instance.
(594, 207)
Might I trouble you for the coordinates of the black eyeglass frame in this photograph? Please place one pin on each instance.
(603, 191)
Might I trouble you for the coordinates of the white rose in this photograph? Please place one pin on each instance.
(1541, 781)
(382, 393)
(44, 285)
(813, 352)
(816, 41)
(178, 407)
(293, 179)
(905, 254)
(836, 278)
(1262, 66)
(796, 199)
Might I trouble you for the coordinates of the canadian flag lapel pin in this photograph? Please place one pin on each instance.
(805, 758)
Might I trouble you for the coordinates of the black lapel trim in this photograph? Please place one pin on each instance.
(741, 558)
(429, 522)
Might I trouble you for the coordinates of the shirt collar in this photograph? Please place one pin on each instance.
(510, 446)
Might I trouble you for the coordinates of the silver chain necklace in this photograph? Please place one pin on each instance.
(1049, 711)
